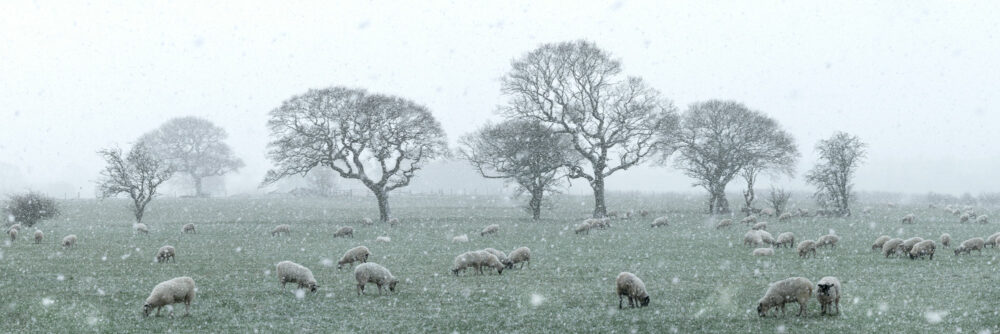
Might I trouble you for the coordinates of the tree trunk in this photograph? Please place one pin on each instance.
(717, 200)
(197, 186)
(600, 209)
(749, 196)
(383, 204)
(535, 204)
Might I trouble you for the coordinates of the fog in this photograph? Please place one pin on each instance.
(912, 79)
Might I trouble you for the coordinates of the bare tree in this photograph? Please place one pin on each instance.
(137, 174)
(776, 155)
(526, 153)
(778, 199)
(322, 181)
(379, 140)
(840, 156)
(578, 89)
(195, 147)
(718, 139)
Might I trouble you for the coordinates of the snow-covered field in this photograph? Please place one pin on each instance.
(700, 279)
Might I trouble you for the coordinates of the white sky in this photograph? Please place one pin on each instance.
(914, 79)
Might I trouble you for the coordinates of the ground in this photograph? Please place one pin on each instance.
(700, 279)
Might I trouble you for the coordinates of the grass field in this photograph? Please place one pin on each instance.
(700, 279)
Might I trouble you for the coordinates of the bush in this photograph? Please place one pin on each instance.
(30, 208)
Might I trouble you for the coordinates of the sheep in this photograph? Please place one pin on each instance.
(383, 238)
(600, 223)
(724, 223)
(69, 240)
(372, 272)
(500, 256)
(984, 219)
(521, 255)
(806, 247)
(879, 242)
(289, 271)
(922, 248)
(478, 260)
(393, 221)
(785, 217)
(661, 221)
(177, 290)
(907, 245)
(13, 234)
(582, 228)
(889, 248)
(283, 228)
(367, 221)
(908, 219)
(992, 240)
(964, 218)
(643, 213)
(828, 239)
(766, 237)
(141, 228)
(803, 212)
(763, 252)
(797, 289)
(828, 292)
(752, 238)
(946, 240)
(38, 236)
(188, 228)
(356, 254)
(629, 285)
(344, 231)
(460, 238)
(767, 212)
(785, 238)
(612, 215)
(759, 226)
(15, 227)
(491, 229)
(749, 220)
(866, 210)
(165, 254)
(970, 245)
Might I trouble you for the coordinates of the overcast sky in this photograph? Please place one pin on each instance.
(913, 79)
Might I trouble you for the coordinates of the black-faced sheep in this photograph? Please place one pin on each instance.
(166, 253)
(520, 255)
(907, 245)
(970, 245)
(792, 289)
(786, 238)
(372, 272)
(501, 256)
(177, 290)
(922, 248)
(629, 285)
(291, 272)
(828, 293)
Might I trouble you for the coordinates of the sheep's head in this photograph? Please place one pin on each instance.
(392, 285)
(644, 301)
(499, 270)
(958, 250)
(824, 289)
(313, 287)
(508, 264)
(761, 309)
(146, 309)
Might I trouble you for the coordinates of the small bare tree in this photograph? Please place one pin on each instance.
(379, 140)
(576, 88)
(840, 156)
(526, 153)
(778, 199)
(193, 146)
(137, 174)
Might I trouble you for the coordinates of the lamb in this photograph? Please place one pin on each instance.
(828, 292)
(724, 223)
(344, 231)
(13, 234)
(785, 217)
(582, 228)
(283, 228)
(501, 256)
(177, 290)
(766, 237)
(879, 242)
(383, 238)
(289, 271)
(889, 248)
(38, 236)
(763, 252)
(661, 221)
(908, 219)
(970, 245)
(491, 229)
(752, 238)
(828, 239)
(141, 228)
(629, 285)
(797, 289)
(165, 254)
(460, 238)
(749, 220)
(984, 219)
(521, 255)
(806, 247)
(372, 272)
(992, 240)
(946, 240)
(356, 254)
(69, 240)
(785, 238)
(759, 226)
(477, 259)
(907, 245)
(188, 228)
(922, 248)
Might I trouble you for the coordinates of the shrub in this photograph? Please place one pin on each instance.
(30, 208)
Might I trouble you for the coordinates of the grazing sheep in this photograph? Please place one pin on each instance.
(763, 252)
(383, 238)
(752, 238)
(367, 221)
(582, 228)
(356, 254)
(165, 254)
(797, 289)
(629, 285)
(879, 242)
(828, 292)
(177, 290)
(785, 238)
(827, 240)
(141, 228)
(612, 215)
(291, 272)
(749, 220)
(908, 219)
(13, 234)
(501, 256)
(907, 245)
(806, 247)
(766, 237)
(600, 223)
(785, 217)
(643, 213)
(946, 240)
(803, 212)
(460, 238)
(970, 245)
(521, 255)
(767, 212)
(984, 219)
(661, 221)
(69, 240)
(759, 226)
(393, 221)
(724, 223)
(478, 260)
(964, 218)
(992, 240)
(922, 248)
(491, 229)
(889, 248)
(38, 236)
(188, 228)
(372, 272)
(344, 231)
(283, 228)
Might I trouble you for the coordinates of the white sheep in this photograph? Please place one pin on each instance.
(477, 260)
(165, 254)
(759, 226)
(629, 285)
(372, 272)
(907, 245)
(806, 247)
(827, 240)
(38, 236)
(582, 228)
(188, 228)
(984, 219)
(141, 228)
(992, 239)
(393, 221)
(964, 218)
(785, 217)
(344, 231)
(766, 237)
(827, 293)
(922, 248)
(600, 223)
(383, 238)
(278, 230)
(521, 255)
(643, 213)
(491, 229)
(460, 238)
(69, 240)
(356, 254)
(749, 220)
(367, 221)
(724, 223)
(661, 221)
(763, 252)
(13, 234)
(752, 238)
(946, 240)
(501, 256)
(785, 238)
(908, 219)
(879, 242)
(970, 245)
(291, 272)
(889, 248)
(177, 290)
(767, 212)
(792, 289)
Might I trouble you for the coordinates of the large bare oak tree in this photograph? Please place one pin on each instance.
(137, 174)
(195, 147)
(840, 156)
